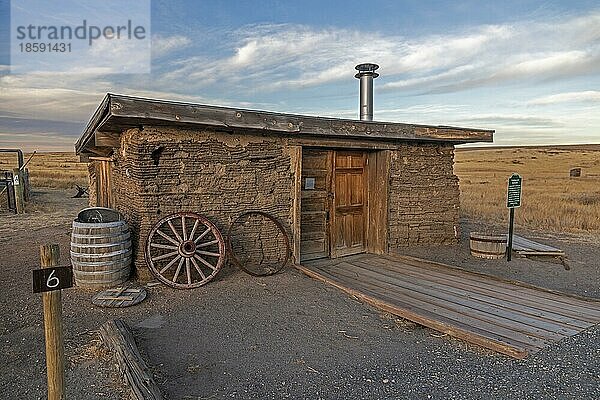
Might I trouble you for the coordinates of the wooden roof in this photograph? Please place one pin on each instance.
(117, 113)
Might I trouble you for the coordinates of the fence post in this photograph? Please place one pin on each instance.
(19, 185)
(55, 358)
(27, 187)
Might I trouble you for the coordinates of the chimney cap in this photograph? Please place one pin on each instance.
(366, 69)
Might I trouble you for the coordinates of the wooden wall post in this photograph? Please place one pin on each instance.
(55, 359)
(19, 185)
(296, 161)
(27, 187)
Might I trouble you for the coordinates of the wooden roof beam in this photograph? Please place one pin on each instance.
(107, 139)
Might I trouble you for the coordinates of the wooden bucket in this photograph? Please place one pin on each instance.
(100, 250)
(488, 245)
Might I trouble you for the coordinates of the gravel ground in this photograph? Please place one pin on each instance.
(286, 336)
(291, 337)
(89, 374)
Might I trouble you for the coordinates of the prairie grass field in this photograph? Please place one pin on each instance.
(551, 200)
(50, 170)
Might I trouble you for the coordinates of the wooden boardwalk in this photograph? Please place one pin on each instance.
(509, 317)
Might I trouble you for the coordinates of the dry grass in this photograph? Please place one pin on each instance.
(551, 200)
(50, 170)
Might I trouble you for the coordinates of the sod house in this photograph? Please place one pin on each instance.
(338, 186)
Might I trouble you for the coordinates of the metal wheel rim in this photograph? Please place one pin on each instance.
(186, 254)
(235, 261)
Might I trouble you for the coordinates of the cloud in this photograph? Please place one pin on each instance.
(54, 141)
(284, 56)
(20, 125)
(73, 97)
(526, 51)
(163, 45)
(293, 56)
(588, 96)
(513, 121)
(40, 102)
(35, 134)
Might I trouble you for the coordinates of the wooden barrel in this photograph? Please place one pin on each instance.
(488, 245)
(100, 249)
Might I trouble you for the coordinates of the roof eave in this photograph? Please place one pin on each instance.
(117, 112)
(96, 119)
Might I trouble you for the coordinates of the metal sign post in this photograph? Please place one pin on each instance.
(513, 200)
(50, 280)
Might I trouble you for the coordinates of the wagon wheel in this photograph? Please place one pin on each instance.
(185, 250)
(258, 243)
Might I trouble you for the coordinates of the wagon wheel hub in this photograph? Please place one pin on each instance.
(187, 249)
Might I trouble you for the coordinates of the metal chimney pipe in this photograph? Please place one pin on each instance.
(366, 74)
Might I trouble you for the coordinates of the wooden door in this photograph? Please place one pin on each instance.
(315, 204)
(349, 203)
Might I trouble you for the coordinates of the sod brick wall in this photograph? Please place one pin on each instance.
(423, 196)
(159, 171)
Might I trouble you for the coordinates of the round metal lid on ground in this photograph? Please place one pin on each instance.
(119, 297)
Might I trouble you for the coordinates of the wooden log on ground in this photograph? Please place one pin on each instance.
(119, 339)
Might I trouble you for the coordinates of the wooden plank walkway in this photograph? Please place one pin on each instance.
(509, 317)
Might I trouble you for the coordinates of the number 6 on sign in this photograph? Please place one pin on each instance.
(54, 278)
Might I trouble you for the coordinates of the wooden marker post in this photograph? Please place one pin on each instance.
(19, 186)
(50, 280)
(513, 200)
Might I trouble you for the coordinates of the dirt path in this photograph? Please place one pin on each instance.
(23, 368)
(285, 336)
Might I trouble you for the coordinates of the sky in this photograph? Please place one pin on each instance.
(528, 69)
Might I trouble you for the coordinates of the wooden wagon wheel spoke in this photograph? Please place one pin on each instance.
(187, 271)
(203, 261)
(169, 265)
(207, 253)
(207, 243)
(193, 232)
(167, 237)
(183, 227)
(162, 257)
(179, 247)
(164, 246)
(201, 236)
(174, 231)
(198, 268)
(178, 270)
